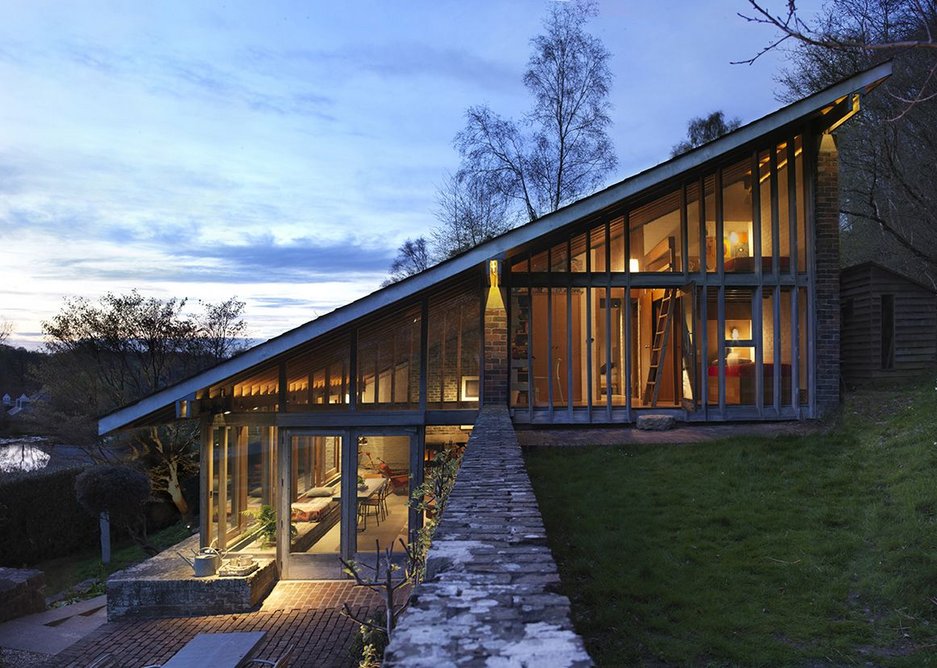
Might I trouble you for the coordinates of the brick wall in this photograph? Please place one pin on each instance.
(496, 355)
(827, 285)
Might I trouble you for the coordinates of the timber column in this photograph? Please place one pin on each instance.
(827, 286)
(495, 390)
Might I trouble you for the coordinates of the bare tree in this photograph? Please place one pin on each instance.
(867, 27)
(6, 328)
(412, 258)
(888, 151)
(704, 129)
(568, 76)
(471, 210)
(561, 151)
(222, 329)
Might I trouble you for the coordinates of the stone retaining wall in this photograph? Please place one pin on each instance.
(163, 586)
(21, 592)
(490, 595)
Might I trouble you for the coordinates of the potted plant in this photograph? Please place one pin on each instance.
(267, 524)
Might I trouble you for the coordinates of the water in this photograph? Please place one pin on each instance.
(23, 454)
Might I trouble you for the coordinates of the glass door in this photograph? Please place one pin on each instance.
(314, 493)
(383, 485)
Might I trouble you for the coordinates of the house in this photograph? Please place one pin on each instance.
(889, 326)
(21, 405)
(706, 288)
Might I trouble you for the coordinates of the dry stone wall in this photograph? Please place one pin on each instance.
(490, 597)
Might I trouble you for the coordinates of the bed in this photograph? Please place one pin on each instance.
(740, 382)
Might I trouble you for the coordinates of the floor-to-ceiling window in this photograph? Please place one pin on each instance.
(383, 491)
(695, 298)
(314, 488)
(242, 462)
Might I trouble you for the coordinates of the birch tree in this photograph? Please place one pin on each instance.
(558, 152)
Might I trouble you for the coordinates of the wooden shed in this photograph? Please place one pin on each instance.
(889, 325)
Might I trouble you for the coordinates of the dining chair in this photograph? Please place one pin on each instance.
(366, 505)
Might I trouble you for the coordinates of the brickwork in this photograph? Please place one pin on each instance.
(496, 356)
(163, 586)
(304, 615)
(490, 596)
(827, 285)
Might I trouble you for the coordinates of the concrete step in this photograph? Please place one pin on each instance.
(36, 637)
(82, 624)
(52, 631)
(58, 614)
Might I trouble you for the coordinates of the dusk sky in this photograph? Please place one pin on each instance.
(281, 151)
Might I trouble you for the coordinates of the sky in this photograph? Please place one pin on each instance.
(280, 152)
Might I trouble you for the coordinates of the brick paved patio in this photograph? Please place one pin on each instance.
(304, 614)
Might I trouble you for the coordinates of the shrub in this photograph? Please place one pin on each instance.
(120, 491)
(40, 517)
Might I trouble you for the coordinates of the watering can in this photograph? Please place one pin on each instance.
(203, 563)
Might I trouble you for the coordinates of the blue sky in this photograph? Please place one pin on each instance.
(281, 151)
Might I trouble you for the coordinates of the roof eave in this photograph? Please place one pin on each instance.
(264, 352)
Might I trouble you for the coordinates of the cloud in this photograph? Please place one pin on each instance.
(397, 60)
(262, 261)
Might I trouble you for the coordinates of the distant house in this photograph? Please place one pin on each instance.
(889, 325)
(21, 405)
(705, 288)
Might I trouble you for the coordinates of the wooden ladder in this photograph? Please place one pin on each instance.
(655, 371)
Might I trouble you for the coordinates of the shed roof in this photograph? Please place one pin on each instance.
(157, 403)
(871, 264)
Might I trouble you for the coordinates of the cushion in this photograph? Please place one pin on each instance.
(314, 492)
(308, 511)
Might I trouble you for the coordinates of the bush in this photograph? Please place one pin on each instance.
(120, 491)
(40, 517)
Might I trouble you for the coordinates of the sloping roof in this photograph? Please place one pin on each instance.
(264, 352)
(871, 264)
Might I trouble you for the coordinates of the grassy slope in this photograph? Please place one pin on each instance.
(760, 552)
(64, 573)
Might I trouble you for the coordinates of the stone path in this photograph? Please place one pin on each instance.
(301, 614)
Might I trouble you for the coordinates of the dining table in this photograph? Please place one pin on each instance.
(371, 487)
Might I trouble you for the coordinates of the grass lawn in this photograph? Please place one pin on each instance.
(783, 551)
(64, 573)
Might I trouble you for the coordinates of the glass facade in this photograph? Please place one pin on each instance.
(453, 377)
(702, 306)
(693, 299)
(242, 471)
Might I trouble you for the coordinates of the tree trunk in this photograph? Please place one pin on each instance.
(105, 524)
(175, 491)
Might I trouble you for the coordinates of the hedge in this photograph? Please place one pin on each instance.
(40, 517)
